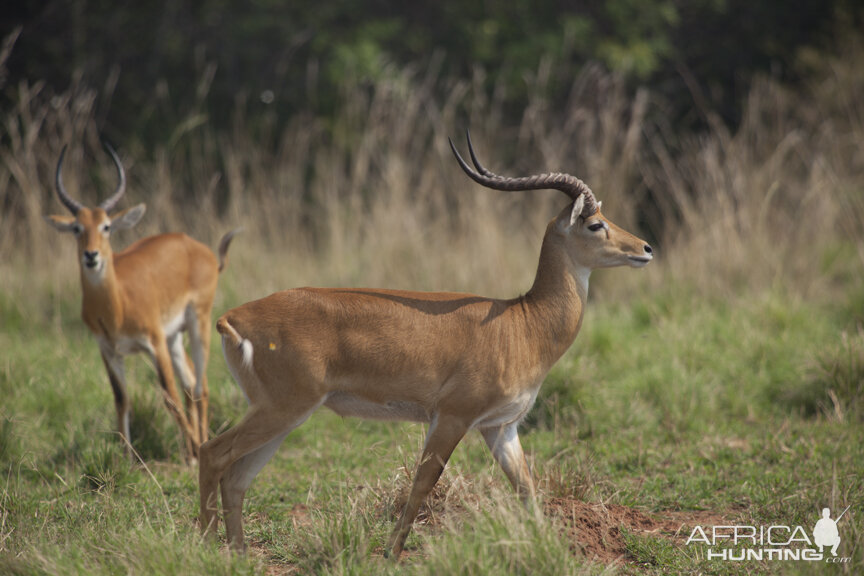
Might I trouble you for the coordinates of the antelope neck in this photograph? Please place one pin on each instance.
(556, 301)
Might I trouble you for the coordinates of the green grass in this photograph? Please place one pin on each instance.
(750, 409)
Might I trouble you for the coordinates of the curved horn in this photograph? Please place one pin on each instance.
(73, 205)
(480, 168)
(110, 202)
(569, 185)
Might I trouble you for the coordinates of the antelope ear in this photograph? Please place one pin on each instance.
(576, 212)
(61, 223)
(127, 218)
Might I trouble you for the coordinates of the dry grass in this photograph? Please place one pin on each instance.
(771, 203)
(374, 198)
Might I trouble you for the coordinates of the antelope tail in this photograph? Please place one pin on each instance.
(223, 247)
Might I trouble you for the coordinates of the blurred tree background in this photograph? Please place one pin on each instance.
(158, 65)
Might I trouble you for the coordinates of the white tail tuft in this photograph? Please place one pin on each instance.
(230, 334)
(246, 347)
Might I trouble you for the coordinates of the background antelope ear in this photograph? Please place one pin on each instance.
(576, 212)
(61, 223)
(127, 218)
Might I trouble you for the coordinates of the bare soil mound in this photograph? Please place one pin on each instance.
(595, 529)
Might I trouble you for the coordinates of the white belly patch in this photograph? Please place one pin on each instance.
(347, 404)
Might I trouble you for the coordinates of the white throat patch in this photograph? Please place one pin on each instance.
(96, 274)
(582, 274)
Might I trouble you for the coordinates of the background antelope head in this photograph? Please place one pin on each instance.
(92, 227)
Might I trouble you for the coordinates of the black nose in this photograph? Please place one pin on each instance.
(648, 249)
(91, 254)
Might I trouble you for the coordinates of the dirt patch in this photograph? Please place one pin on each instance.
(595, 530)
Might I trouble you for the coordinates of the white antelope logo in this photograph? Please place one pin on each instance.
(456, 361)
(142, 299)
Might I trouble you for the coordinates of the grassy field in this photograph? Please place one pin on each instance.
(722, 385)
(683, 411)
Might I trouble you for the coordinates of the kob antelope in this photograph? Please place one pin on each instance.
(456, 361)
(142, 299)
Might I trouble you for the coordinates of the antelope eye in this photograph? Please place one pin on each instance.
(596, 227)
(77, 229)
(106, 228)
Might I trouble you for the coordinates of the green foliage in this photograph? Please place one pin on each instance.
(275, 59)
(642, 36)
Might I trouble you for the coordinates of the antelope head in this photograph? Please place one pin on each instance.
(589, 239)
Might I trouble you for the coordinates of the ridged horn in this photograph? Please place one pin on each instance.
(569, 185)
